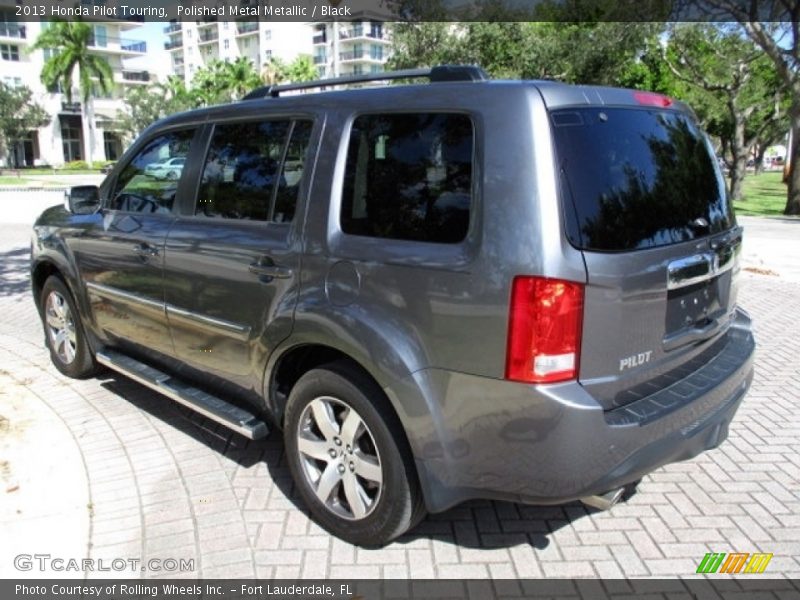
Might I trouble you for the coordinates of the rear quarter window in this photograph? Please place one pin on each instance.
(409, 177)
(637, 178)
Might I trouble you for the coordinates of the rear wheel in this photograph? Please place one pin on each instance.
(64, 334)
(348, 456)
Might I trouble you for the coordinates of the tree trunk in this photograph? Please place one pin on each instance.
(87, 118)
(759, 160)
(793, 160)
(739, 154)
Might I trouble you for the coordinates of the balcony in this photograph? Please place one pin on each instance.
(133, 46)
(319, 60)
(246, 28)
(359, 55)
(12, 30)
(173, 45)
(136, 76)
(355, 33)
(319, 39)
(71, 107)
(172, 28)
(207, 36)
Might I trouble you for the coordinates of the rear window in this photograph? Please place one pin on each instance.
(637, 178)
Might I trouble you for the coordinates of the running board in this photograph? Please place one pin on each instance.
(216, 409)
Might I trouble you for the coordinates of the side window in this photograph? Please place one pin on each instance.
(409, 177)
(253, 171)
(148, 182)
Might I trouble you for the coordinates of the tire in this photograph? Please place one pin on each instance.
(64, 334)
(340, 432)
(172, 175)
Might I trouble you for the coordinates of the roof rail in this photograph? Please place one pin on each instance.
(434, 74)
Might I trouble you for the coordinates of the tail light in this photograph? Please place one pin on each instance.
(544, 330)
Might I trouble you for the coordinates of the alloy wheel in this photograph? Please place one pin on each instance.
(339, 458)
(61, 327)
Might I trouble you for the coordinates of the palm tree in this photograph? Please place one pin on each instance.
(241, 77)
(70, 43)
(301, 69)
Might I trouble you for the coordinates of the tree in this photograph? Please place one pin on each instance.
(70, 43)
(585, 52)
(300, 69)
(145, 105)
(18, 116)
(241, 77)
(734, 72)
(773, 26)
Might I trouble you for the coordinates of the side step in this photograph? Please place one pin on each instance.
(216, 409)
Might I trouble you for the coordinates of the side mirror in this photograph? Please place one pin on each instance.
(82, 199)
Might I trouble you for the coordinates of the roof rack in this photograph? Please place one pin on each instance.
(434, 74)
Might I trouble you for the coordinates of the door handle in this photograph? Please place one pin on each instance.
(145, 250)
(267, 269)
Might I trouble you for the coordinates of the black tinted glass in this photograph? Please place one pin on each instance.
(637, 178)
(293, 167)
(409, 177)
(148, 182)
(241, 170)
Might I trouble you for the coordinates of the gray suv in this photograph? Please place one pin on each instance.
(518, 290)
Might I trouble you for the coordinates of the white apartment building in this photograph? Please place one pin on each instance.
(193, 44)
(356, 47)
(65, 138)
(360, 46)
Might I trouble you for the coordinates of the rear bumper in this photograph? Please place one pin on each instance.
(554, 444)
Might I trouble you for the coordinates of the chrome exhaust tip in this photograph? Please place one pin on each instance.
(604, 501)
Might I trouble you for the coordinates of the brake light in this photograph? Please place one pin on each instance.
(544, 330)
(652, 99)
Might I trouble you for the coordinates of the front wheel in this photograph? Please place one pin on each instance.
(348, 456)
(64, 333)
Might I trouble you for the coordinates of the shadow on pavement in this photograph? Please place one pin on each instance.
(14, 278)
(475, 524)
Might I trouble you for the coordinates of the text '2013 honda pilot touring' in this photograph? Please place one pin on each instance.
(462, 289)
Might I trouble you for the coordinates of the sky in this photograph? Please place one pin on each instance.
(157, 59)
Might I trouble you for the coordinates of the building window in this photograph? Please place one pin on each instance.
(358, 69)
(71, 138)
(376, 52)
(9, 52)
(13, 82)
(267, 35)
(112, 145)
(224, 24)
(376, 69)
(99, 36)
(267, 54)
(409, 177)
(226, 43)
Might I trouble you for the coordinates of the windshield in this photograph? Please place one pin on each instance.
(637, 178)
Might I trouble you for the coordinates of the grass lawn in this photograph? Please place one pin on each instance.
(764, 195)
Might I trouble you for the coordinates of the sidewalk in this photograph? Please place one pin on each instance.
(105, 468)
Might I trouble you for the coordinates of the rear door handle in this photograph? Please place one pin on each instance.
(269, 270)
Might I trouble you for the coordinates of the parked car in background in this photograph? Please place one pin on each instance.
(438, 292)
(169, 168)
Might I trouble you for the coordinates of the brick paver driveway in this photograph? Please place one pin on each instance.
(142, 477)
